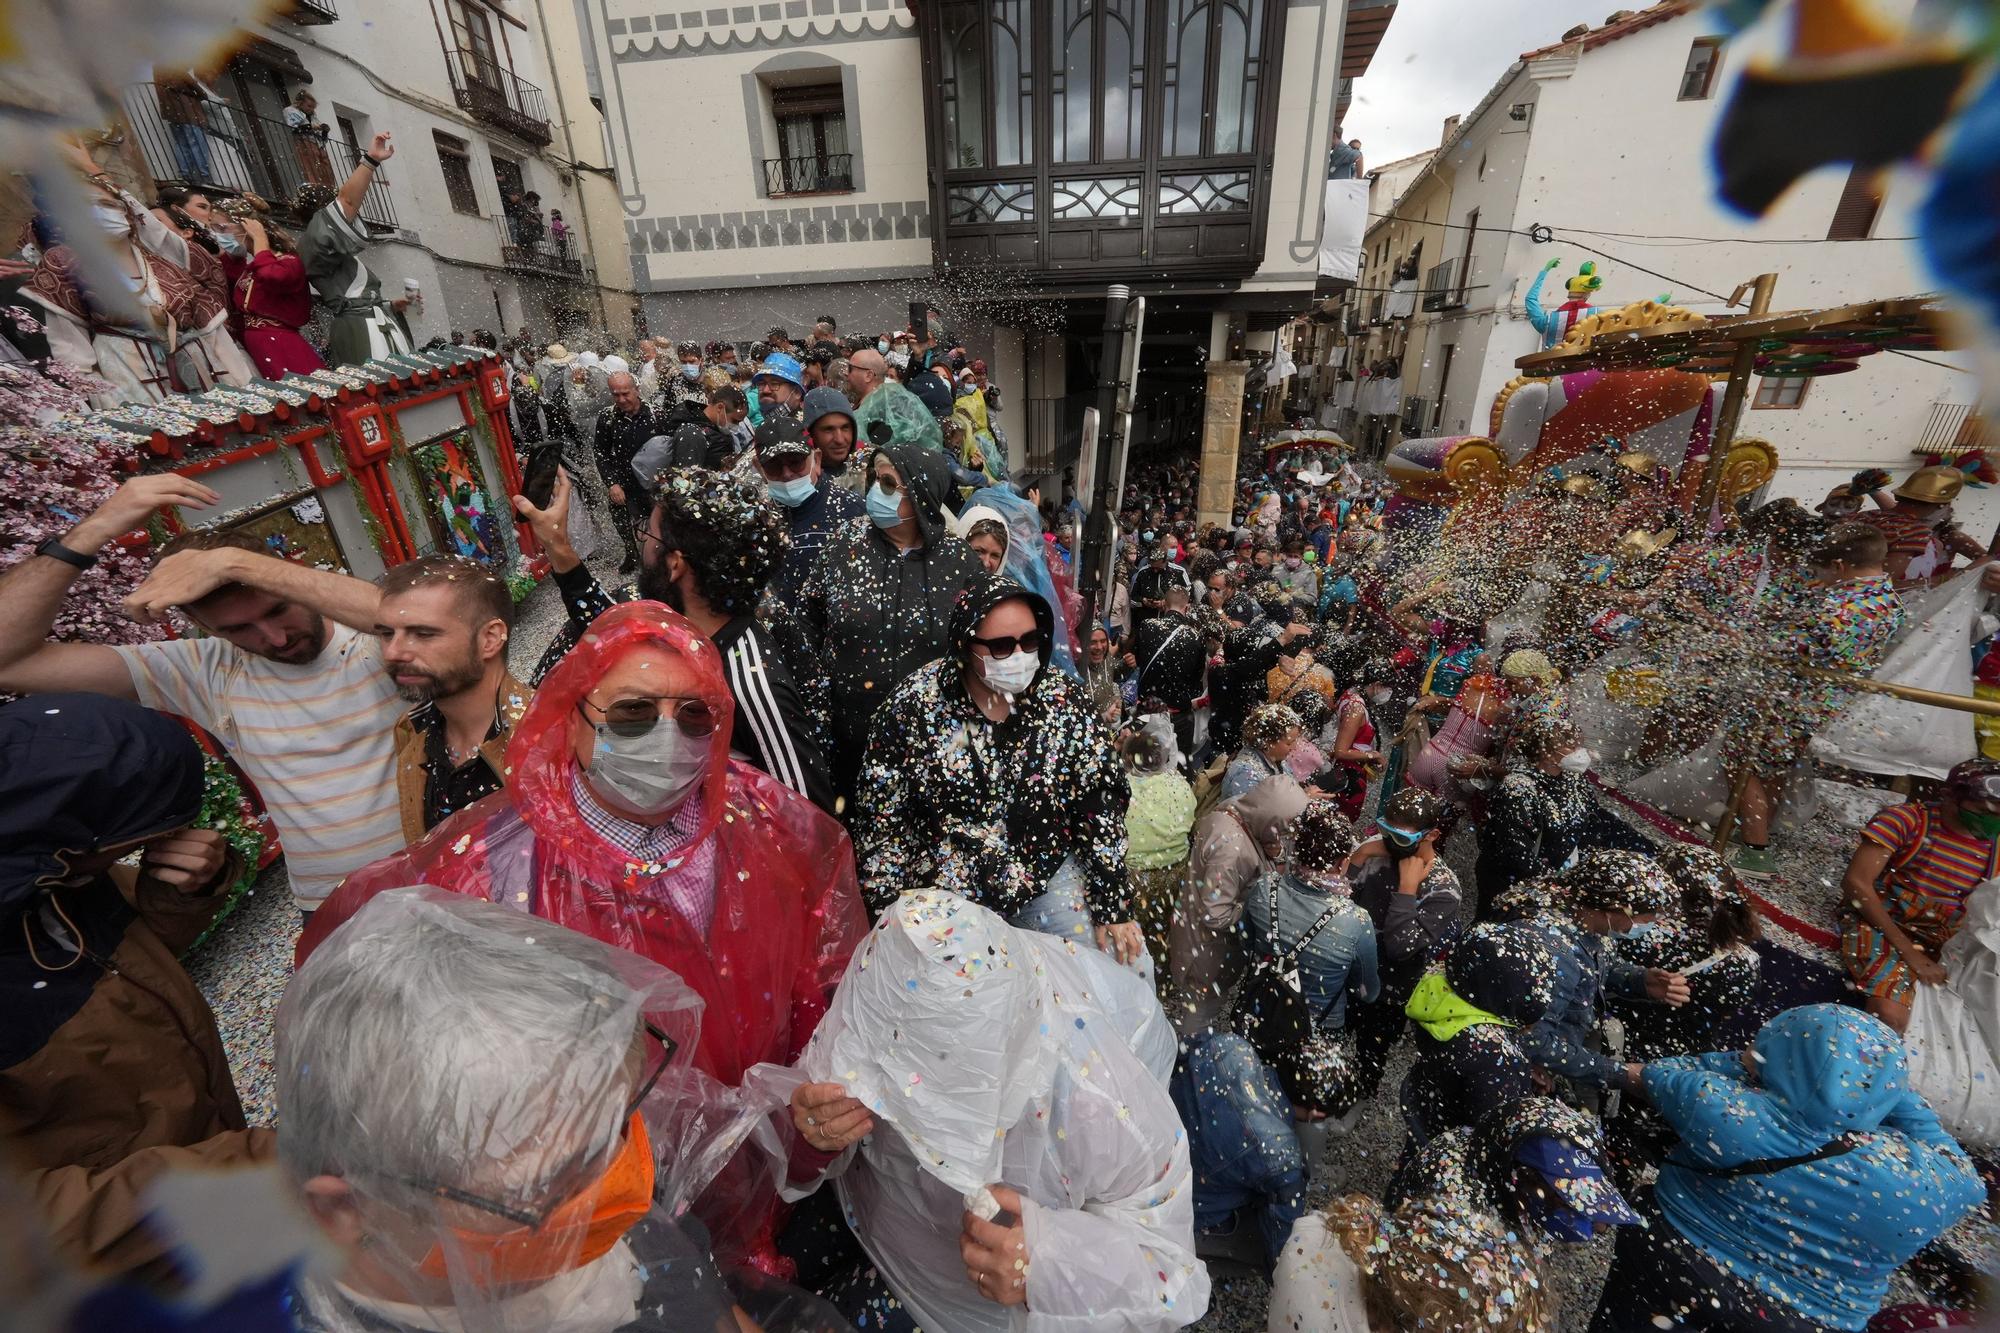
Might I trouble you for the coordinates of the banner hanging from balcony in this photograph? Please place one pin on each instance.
(1346, 218)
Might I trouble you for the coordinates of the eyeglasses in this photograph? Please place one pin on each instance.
(533, 1219)
(636, 717)
(889, 482)
(1003, 645)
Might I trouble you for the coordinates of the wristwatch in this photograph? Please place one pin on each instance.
(55, 550)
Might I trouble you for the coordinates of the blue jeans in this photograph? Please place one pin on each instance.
(191, 151)
(1060, 911)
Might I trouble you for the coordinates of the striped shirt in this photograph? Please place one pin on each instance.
(771, 730)
(317, 739)
(1932, 867)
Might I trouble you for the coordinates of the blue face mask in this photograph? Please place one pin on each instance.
(230, 244)
(885, 509)
(1639, 931)
(882, 346)
(791, 494)
(690, 370)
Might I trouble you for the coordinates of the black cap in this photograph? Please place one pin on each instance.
(780, 436)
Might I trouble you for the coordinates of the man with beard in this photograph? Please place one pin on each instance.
(444, 625)
(289, 676)
(711, 545)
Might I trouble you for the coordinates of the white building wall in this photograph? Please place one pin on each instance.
(688, 109)
(1612, 149)
(1308, 93)
(382, 65)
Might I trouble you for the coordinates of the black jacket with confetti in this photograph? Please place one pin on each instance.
(949, 799)
(877, 613)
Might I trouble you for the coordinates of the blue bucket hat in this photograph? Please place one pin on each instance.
(779, 366)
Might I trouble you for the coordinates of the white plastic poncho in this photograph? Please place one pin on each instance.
(1878, 733)
(1954, 1032)
(991, 1055)
(535, 1042)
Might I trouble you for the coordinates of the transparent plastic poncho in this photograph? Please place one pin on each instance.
(483, 1147)
(991, 1055)
(787, 914)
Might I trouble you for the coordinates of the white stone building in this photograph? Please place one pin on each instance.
(1604, 137)
(486, 100)
(1003, 159)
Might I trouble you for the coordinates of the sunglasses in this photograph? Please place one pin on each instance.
(636, 717)
(1004, 645)
(888, 481)
(533, 1219)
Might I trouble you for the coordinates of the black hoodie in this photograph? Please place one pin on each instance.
(1464, 1071)
(879, 613)
(949, 799)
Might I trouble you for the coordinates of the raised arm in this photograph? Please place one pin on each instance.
(31, 593)
(189, 576)
(352, 190)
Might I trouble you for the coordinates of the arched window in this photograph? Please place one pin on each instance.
(988, 76)
(1097, 80)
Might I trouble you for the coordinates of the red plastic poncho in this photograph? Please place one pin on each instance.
(787, 913)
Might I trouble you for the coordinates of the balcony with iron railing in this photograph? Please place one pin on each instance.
(499, 97)
(1953, 429)
(525, 243)
(310, 13)
(219, 147)
(831, 173)
(1442, 288)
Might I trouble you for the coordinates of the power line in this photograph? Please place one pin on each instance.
(1569, 239)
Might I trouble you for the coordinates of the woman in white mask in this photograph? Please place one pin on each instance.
(989, 774)
(625, 819)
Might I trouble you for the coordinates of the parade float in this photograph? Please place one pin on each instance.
(353, 469)
(1645, 380)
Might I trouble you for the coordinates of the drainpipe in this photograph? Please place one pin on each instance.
(1100, 530)
(569, 150)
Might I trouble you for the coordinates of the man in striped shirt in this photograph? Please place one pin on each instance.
(299, 698)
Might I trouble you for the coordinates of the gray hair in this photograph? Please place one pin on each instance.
(437, 1040)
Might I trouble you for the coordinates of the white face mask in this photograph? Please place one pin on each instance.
(652, 773)
(1577, 761)
(1010, 675)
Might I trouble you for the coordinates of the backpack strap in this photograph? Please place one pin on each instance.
(1766, 1166)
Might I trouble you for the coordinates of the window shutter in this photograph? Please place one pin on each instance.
(1854, 215)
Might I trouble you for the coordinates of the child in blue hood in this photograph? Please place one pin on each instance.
(1807, 1172)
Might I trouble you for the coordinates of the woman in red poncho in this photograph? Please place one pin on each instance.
(624, 818)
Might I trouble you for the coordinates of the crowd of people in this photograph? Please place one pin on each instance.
(867, 918)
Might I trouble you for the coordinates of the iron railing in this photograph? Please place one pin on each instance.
(219, 146)
(1955, 428)
(1442, 289)
(498, 96)
(830, 174)
(310, 13)
(525, 242)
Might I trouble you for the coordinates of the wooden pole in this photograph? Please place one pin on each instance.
(1760, 288)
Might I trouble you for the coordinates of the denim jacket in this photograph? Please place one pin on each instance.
(1339, 963)
(1239, 1137)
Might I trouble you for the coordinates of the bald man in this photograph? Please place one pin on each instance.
(866, 370)
(621, 429)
